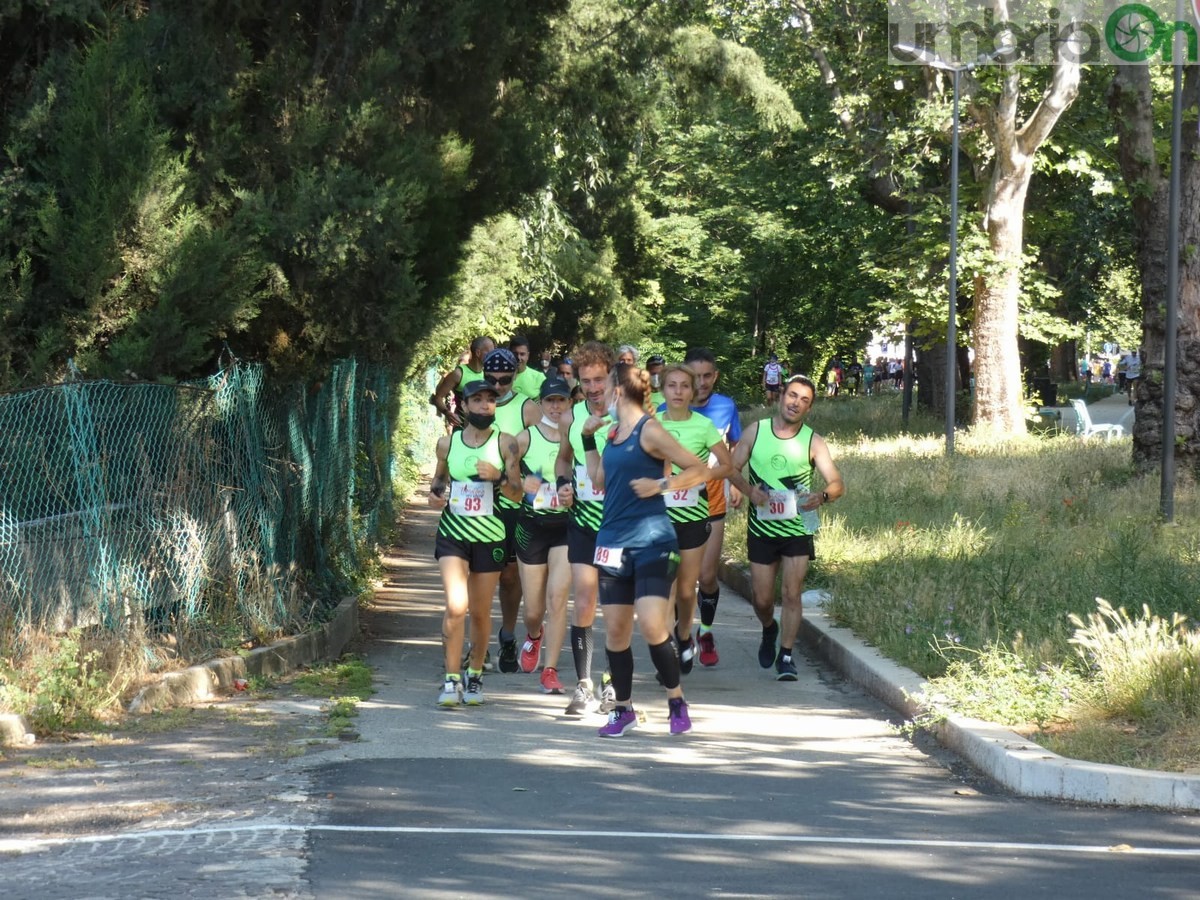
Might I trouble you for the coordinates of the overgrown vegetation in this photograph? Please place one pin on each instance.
(982, 571)
(57, 684)
(345, 683)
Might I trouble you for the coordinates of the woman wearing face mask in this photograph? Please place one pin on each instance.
(636, 548)
(474, 466)
(542, 539)
(688, 509)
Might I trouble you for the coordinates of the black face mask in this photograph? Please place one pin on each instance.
(480, 421)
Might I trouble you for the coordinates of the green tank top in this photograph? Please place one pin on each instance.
(468, 495)
(696, 435)
(589, 506)
(539, 461)
(781, 464)
(510, 418)
(465, 376)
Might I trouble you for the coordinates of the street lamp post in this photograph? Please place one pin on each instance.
(931, 59)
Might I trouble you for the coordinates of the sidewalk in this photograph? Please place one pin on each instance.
(1004, 756)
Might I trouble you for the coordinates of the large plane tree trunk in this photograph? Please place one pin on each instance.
(1147, 179)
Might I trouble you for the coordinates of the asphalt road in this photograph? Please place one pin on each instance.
(803, 789)
(797, 790)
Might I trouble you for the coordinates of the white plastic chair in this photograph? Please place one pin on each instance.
(1086, 427)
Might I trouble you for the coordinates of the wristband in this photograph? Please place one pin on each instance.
(589, 442)
(824, 496)
(562, 481)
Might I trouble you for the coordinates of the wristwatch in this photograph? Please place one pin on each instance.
(824, 496)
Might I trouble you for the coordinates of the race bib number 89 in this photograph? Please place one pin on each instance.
(610, 557)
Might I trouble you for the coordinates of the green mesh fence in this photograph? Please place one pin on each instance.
(234, 499)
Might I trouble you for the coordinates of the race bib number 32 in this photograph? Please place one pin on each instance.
(471, 498)
(689, 497)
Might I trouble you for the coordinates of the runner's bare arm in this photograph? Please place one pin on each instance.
(738, 460)
(657, 441)
(441, 475)
(823, 461)
(564, 463)
(445, 387)
(510, 483)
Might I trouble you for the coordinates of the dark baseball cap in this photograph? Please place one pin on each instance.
(476, 387)
(554, 387)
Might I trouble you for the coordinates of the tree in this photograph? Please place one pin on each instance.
(1140, 117)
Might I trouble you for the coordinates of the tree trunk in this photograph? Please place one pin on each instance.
(998, 401)
(1148, 184)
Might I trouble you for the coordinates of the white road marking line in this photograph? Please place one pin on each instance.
(27, 845)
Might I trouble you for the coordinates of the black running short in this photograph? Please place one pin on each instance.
(644, 572)
(765, 551)
(581, 545)
(538, 535)
(481, 556)
(692, 534)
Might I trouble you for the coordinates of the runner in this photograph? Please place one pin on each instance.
(527, 381)
(542, 539)
(688, 509)
(782, 453)
(477, 464)
(627, 354)
(454, 381)
(636, 549)
(654, 368)
(593, 362)
(514, 413)
(773, 375)
(724, 415)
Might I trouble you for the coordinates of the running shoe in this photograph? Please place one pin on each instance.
(687, 656)
(608, 696)
(785, 669)
(708, 649)
(680, 720)
(452, 693)
(766, 650)
(620, 720)
(550, 682)
(474, 695)
(488, 665)
(531, 652)
(508, 655)
(583, 701)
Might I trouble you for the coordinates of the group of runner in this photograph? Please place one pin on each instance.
(620, 501)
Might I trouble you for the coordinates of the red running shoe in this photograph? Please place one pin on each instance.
(531, 652)
(708, 649)
(550, 682)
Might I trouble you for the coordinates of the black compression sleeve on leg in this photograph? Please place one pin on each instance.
(708, 607)
(666, 661)
(581, 650)
(620, 666)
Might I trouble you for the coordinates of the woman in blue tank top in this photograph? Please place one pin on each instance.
(636, 548)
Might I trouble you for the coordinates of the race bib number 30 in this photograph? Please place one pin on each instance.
(608, 556)
(471, 498)
(585, 490)
(779, 505)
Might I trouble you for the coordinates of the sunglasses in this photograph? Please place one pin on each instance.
(503, 380)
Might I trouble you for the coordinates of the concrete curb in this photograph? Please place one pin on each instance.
(204, 681)
(1005, 756)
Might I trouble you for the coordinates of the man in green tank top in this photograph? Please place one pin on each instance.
(458, 378)
(782, 453)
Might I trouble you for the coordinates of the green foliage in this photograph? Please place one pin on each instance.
(57, 685)
(349, 677)
(1145, 668)
(999, 685)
